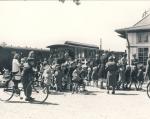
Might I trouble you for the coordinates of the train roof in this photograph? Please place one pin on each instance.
(66, 45)
(24, 48)
(74, 44)
(81, 44)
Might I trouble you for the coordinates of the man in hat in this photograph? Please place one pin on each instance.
(27, 77)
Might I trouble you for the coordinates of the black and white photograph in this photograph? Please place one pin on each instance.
(74, 59)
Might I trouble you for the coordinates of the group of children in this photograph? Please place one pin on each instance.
(69, 75)
(131, 75)
(64, 76)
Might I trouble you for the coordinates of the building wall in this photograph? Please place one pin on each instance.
(134, 44)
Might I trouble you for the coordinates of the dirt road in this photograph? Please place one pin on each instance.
(95, 104)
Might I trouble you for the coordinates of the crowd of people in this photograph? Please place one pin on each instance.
(68, 74)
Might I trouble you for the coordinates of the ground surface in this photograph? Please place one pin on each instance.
(94, 104)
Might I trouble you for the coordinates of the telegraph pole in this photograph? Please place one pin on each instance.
(100, 47)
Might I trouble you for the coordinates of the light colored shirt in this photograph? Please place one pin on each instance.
(16, 68)
(15, 65)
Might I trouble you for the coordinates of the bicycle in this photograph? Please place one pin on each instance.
(148, 89)
(39, 90)
(77, 86)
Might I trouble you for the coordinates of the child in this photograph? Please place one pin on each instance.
(127, 76)
(94, 76)
(6, 76)
(89, 73)
(48, 76)
(134, 77)
(58, 78)
(76, 78)
(140, 77)
(83, 76)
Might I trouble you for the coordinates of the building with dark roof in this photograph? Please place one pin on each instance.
(138, 39)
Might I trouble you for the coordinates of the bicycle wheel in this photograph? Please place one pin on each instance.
(7, 91)
(39, 91)
(148, 89)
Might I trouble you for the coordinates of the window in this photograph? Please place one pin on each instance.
(143, 55)
(142, 37)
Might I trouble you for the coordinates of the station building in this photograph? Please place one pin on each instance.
(138, 39)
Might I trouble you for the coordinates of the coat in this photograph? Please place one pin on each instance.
(111, 68)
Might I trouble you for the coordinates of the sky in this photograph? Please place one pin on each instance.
(38, 24)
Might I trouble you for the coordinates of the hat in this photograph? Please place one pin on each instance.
(30, 59)
(84, 66)
(89, 69)
(110, 58)
(22, 59)
(103, 54)
(94, 68)
(16, 56)
(97, 55)
(45, 62)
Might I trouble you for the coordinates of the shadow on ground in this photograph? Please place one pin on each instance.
(126, 94)
(91, 92)
(34, 102)
(56, 93)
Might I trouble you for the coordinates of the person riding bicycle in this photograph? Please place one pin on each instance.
(27, 77)
(16, 71)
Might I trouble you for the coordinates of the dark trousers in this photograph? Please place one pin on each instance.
(27, 88)
(16, 82)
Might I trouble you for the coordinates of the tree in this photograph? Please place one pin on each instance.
(3, 44)
(77, 2)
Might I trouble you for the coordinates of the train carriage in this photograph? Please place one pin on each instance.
(7, 54)
(74, 49)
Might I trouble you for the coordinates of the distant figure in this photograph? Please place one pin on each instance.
(94, 76)
(123, 61)
(134, 73)
(134, 61)
(127, 76)
(58, 78)
(76, 78)
(140, 77)
(89, 73)
(31, 54)
(102, 72)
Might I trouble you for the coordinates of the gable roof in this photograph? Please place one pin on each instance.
(144, 21)
(142, 25)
